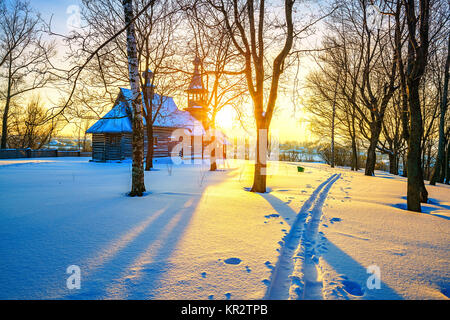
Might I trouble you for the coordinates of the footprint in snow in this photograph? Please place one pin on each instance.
(232, 261)
(203, 274)
(247, 268)
(269, 264)
(446, 292)
(228, 295)
(333, 220)
(266, 282)
(353, 288)
(273, 215)
(211, 297)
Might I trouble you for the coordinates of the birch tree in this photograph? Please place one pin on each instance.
(137, 176)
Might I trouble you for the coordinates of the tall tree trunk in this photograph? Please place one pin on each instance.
(417, 192)
(393, 169)
(213, 160)
(333, 118)
(371, 154)
(355, 150)
(427, 166)
(150, 147)
(405, 166)
(417, 61)
(6, 110)
(5, 124)
(447, 164)
(439, 168)
(371, 159)
(332, 138)
(260, 174)
(137, 175)
(354, 155)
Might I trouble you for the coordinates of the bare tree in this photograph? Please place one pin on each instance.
(28, 130)
(214, 48)
(392, 142)
(25, 64)
(330, 109)
(156, 50)
(246, 22)
(418, 43)
(155, 25)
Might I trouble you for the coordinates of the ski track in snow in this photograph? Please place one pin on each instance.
(296, 275)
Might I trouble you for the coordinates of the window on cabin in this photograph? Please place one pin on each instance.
(114, 140)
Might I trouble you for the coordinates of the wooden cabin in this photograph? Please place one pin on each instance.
(112, 134)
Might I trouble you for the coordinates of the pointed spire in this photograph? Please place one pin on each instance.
(196, 81)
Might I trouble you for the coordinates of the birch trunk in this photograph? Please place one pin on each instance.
(137, 175)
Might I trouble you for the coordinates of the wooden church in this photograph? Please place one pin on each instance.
(112, 134)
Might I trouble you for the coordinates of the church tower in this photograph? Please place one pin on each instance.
(198, 96)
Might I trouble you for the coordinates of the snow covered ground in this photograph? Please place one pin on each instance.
(200, 235)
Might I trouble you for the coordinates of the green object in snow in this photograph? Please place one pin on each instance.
(300, 169)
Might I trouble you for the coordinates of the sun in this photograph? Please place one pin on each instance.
(226, 118)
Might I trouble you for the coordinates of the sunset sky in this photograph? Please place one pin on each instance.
(290, 122)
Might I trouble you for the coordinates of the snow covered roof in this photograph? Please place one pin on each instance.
(118, 119)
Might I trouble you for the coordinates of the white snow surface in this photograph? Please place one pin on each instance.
(201, 235)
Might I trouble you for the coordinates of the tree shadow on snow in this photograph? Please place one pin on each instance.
(131, 265)
(427, 208)
(134, 270)
(354, 276)
(280, 207)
